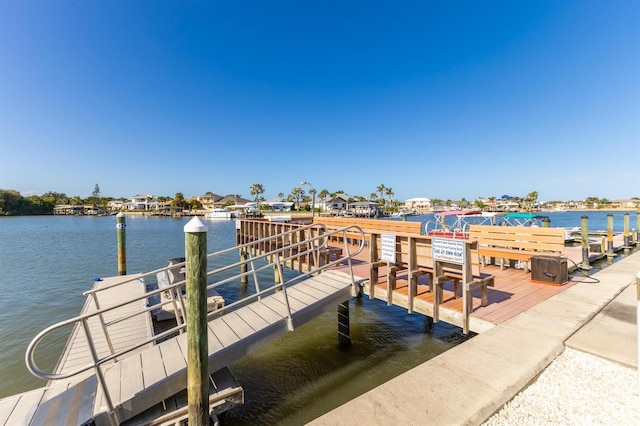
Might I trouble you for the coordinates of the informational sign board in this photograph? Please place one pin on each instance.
(448, 250)
(388, 248)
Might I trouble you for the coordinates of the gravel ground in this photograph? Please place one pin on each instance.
(576, 389)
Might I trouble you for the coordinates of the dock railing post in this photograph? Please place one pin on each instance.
(197, 345)
(122, 244)
(585, 242)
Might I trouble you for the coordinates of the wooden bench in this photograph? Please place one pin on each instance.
(368, 226)
(413, 253)
(516, 243)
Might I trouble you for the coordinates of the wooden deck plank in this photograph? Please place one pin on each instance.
(265, 312)
(255, 321)
(25, 407)
(213, 344)
(302, 296)
(275, 304)
(172, 356)
(132, 380)
(223, 332)
(237, 324)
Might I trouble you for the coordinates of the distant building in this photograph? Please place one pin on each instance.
(418, 205)
(334, 204)
(143, 202)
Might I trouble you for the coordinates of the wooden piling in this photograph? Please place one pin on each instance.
(344, 333)
(627, 239)
(244, 279)
(197, 345)
(546, 222)
(584, 222)
(610, 234)
(122, 243)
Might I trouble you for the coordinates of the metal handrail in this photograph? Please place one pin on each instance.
(305, 248)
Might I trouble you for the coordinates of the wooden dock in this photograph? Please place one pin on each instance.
(109, 292)
(150, 376)
(21, 409)
(143, 382)
(514, 291)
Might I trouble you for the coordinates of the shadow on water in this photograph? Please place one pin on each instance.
(304, 374)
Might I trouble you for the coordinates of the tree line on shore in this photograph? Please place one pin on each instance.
(12, 203)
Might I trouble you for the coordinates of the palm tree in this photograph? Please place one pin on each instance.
(178, 200)
(382, 190)
(297, 193)
(389, 193)
(256, 189)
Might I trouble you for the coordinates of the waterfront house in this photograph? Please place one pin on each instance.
(418, 205)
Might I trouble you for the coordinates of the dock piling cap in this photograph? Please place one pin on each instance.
(195, 225)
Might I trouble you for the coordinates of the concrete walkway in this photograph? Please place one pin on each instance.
(468, 383)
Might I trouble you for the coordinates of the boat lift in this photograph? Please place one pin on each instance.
(461, 221)
(524, 219)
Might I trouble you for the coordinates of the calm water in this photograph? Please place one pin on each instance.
(47, 262)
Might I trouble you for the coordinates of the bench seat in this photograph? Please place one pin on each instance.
(516, 243)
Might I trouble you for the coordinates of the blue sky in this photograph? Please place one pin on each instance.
(432, 99)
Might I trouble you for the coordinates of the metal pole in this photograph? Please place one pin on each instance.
(122, 244)
(197, 345)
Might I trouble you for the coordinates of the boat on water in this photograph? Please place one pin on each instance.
(404, 213)
(461, 221)
(524, 219)
(172, 300)
(219, 213)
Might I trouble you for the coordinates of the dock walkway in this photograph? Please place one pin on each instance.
(122, 334)
(22, 408)
(468, 383)
(140, 373)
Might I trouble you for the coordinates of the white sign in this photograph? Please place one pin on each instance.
(388, 247)
(121, 225)
(448, 250)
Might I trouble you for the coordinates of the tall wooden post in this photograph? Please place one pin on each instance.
(122, 243)
(344, 333)
(609, 234)
(546, 222)
(197, 346)
(638, 227)
(627, 239)
(585, 242)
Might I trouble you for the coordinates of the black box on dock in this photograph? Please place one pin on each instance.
(549, 270)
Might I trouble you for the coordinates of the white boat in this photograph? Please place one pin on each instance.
(175, 275)
(219, 213)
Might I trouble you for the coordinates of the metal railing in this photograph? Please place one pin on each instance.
(309, 251)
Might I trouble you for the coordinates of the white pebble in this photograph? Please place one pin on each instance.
(576, 389)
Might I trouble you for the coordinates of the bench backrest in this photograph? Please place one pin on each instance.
(530, 238)
(370, 226)
(423, 252)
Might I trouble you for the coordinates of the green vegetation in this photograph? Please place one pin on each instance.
(12, 203)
